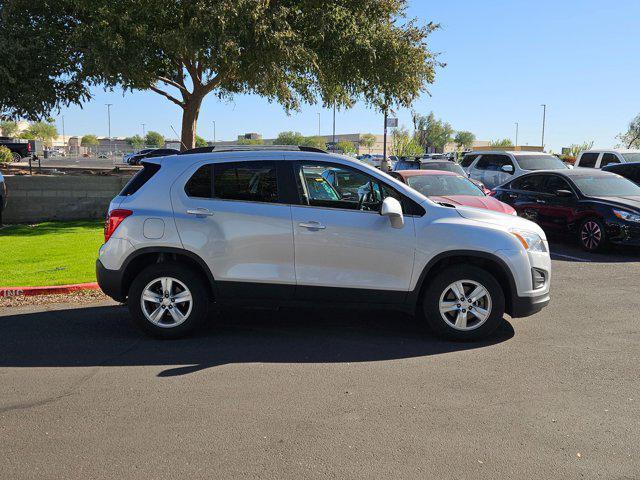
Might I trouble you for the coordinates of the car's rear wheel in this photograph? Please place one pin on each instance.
(592, 236)
(16, 156)
(168, 300)
(464, 303)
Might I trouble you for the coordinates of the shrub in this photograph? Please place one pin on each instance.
(5, 155)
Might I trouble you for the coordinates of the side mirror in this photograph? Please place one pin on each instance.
(564, 193)
(392, 209)
(507, 168)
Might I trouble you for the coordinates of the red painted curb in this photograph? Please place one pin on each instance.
(51, 290)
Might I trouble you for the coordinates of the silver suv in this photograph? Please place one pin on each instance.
(264, 227)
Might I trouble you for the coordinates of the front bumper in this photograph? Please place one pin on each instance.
(110, 282)
(623, 233)
(527, 306)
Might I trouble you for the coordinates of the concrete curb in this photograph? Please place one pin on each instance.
(50, 290)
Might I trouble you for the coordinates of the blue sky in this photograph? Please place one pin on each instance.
(504, 59)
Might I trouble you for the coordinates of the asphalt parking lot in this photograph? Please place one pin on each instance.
(313, 394)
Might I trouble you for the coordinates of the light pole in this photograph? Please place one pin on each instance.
(517, 134)
(318, 123)
(334, 125)
(109, 121)
(544, 119)
(64, 145)
(143, 131)
(214, 132)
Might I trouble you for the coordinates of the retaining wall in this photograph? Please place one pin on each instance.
(40, 198)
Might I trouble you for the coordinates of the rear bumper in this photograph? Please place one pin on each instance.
(110, 282)
(527, 306)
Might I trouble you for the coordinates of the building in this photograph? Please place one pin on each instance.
(477, 144)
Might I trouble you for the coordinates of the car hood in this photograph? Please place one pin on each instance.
(499, 219)
(626, 202)
(488, 203)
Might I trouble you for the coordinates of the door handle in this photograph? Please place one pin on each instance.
(540, 201)
(513, 195)
(312, 225)
(200, 212)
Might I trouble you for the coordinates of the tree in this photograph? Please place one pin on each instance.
(154, 139)
(403, 144)
(44, 131)
(287, 51)
(89, 141)
(368, 140)
(136, 141)
(631, 138)
(505, 142)
(574, 150)
(464, 139)
(250, 141)
(201, 142)
(315, 142)
(289, 138)
(346, 147)
(8, 129)
(431, 132)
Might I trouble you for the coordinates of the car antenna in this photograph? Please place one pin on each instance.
(178, 136)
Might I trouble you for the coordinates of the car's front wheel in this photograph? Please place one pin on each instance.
(464, 302)
(168, 300)
(16, 157)
(592, 236)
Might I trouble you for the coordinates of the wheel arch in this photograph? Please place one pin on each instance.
(144, 257)
(488, 261)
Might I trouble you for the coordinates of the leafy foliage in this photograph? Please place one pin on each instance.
(201, 142)
(574, 150)
(289, 138)
(8, 128)
(250, 141)
(404, 144)
(368, 140)
(464, 139)
(315, 142)
(154, 139)
(631, 138)
(431, 132)
(136, 141)
(5, 155)
(288, 51)
(44, 131)
(505, 142)
(346, 147)
(89, 140)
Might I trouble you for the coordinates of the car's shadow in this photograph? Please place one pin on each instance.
(103, 336)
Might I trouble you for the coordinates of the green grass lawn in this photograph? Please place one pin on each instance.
(50, 253)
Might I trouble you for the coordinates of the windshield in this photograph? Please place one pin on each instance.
(609, 186)
(632, 157)
(445, 166)
(442, 185)
(540, 162)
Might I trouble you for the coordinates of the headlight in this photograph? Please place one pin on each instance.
(628, 216)
(529, 240)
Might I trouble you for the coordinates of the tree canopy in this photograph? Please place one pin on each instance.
(289, 138)
(464, 139)
(44, 131)
(431, 132)
(345, 147)
(405, 145)
(287, 51)
(136, 141)
(368, 140)
(89, 140)
(8, 128)
(154, 139)
(631, 138)
(201, 142)
(505, 142)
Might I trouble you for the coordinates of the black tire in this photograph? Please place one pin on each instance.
(440, 285)
(592, 236)
(16, 157)
(193, 282)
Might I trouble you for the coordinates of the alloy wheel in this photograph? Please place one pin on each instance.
(166, 302)
(465, 305)
(591, 235)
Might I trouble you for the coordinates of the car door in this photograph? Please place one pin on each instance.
(556, 212)
(608, 159)
(233, 215)
(489, 170)
(344, 243)
(524, 196)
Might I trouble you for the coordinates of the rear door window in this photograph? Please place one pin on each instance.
(555, 183)
(248, 181)
(493, 163)
(588, 160)
(608, 159)
(529, 183)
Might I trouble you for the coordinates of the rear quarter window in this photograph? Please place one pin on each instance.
(588, 160)
(140, 178)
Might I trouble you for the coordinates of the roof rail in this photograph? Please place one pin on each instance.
(252, 148)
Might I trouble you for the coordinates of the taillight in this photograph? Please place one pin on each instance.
(28, 147)
(114, 219)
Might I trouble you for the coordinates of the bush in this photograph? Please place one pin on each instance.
(5, 155)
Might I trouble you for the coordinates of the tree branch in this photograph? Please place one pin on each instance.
(173, 83)
(153, 88)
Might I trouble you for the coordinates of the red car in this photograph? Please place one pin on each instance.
(450, 188)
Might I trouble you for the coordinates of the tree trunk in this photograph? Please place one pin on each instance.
(190, 113)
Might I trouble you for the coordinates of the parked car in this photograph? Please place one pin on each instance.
(22, 149)
(630, 171)
(154, 152)
(450, 188)
(602, 158)
(249, 226)
(444, 165)
(3, 196)
(496, 167)
(600, 207)
(127, 156)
